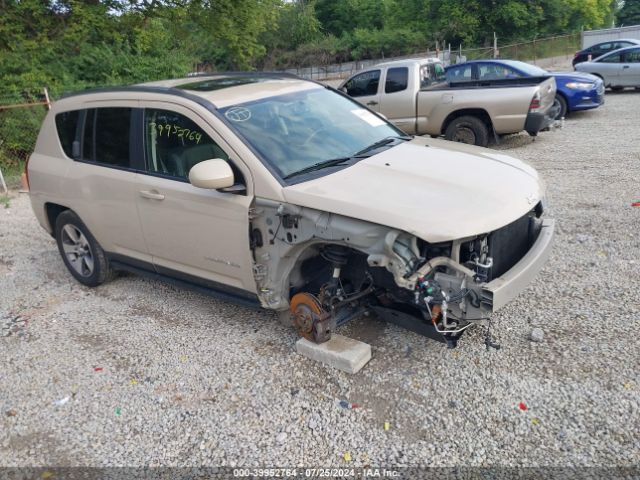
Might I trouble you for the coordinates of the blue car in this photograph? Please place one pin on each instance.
(575, 90)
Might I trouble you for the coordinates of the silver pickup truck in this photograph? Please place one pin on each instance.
(415, 95)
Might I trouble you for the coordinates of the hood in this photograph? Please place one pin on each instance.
(576, 77)
(434, 189)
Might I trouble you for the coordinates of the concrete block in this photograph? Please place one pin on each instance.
(340, 352)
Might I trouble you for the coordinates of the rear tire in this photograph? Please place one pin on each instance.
(468, 129)
(81, 253)
(564, 109)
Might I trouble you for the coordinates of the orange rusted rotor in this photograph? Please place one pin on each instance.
(306, 311)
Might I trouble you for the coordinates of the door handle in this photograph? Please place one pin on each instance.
(152, 194)
(626, 66)
(372, 103)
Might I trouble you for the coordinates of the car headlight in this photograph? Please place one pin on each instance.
(580, 85)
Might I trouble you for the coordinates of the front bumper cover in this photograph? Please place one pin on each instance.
(505, 288)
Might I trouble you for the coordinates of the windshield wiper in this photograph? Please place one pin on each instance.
(342, 161)
(381, 143)
(319, 166)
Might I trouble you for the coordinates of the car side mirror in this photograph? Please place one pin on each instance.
(212, 174)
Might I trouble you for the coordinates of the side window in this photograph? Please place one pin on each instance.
(363, 84)
(106, 136)
(632, 56)
(605, 47)
(614, 58)
(66, 125)
(396, 80)
(174, 144)
(460, 74)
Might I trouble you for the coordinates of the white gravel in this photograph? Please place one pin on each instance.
(155, 375)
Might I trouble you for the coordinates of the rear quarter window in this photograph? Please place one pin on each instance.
(66, 126)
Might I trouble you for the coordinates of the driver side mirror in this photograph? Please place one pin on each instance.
(212, 174)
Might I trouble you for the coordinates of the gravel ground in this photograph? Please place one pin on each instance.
(140, 373)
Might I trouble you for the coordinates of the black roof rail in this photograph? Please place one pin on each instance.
(177, 91)
(266, 74)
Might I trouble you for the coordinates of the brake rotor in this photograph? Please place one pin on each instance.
(306, 312)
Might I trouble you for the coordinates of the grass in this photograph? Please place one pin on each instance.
(5, 200)
(12, 173)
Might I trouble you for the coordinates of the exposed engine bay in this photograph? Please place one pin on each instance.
(326, 269)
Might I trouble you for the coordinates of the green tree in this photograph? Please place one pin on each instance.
(629, 14)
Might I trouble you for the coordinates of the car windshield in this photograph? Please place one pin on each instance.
(309, 130)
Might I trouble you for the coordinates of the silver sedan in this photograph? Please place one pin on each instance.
(618, 69)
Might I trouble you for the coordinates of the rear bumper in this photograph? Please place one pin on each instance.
(505, 288)
(537, 121)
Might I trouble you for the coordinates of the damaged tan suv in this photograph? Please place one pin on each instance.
(278, 192)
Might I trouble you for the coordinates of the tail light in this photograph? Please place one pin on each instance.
(534, 106)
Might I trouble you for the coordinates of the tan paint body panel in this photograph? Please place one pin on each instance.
(434, 189)
(431, 189)
(422, 112)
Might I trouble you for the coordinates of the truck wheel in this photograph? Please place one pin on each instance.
(468, 129)
(82, 254)
(563, 106)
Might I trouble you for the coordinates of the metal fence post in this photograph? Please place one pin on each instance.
(46, 96)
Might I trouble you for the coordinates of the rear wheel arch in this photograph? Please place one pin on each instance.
(53, 210)
(478, 118)
(80, 251)
(472, 112)
(564, 109)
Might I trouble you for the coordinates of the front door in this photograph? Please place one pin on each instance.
(630, 74)
(192, 233)
(365, 88)
(610, 67)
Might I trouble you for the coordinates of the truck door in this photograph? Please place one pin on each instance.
(365, 88)
(397, 102)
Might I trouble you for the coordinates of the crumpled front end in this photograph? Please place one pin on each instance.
(322, 269)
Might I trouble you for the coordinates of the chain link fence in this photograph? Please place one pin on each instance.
(556, 46)
(561, 45)
(20, 118)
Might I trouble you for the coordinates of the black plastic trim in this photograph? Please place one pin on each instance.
(189, 282)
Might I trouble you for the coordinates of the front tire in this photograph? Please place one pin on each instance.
(564, 109)
(468, 129)
(81, 253)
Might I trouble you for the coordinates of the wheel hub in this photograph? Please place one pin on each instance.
(465, 135)
(309, 318)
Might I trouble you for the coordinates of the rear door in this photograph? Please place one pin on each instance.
(194, 234)
(365, 88)
(101, 183)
